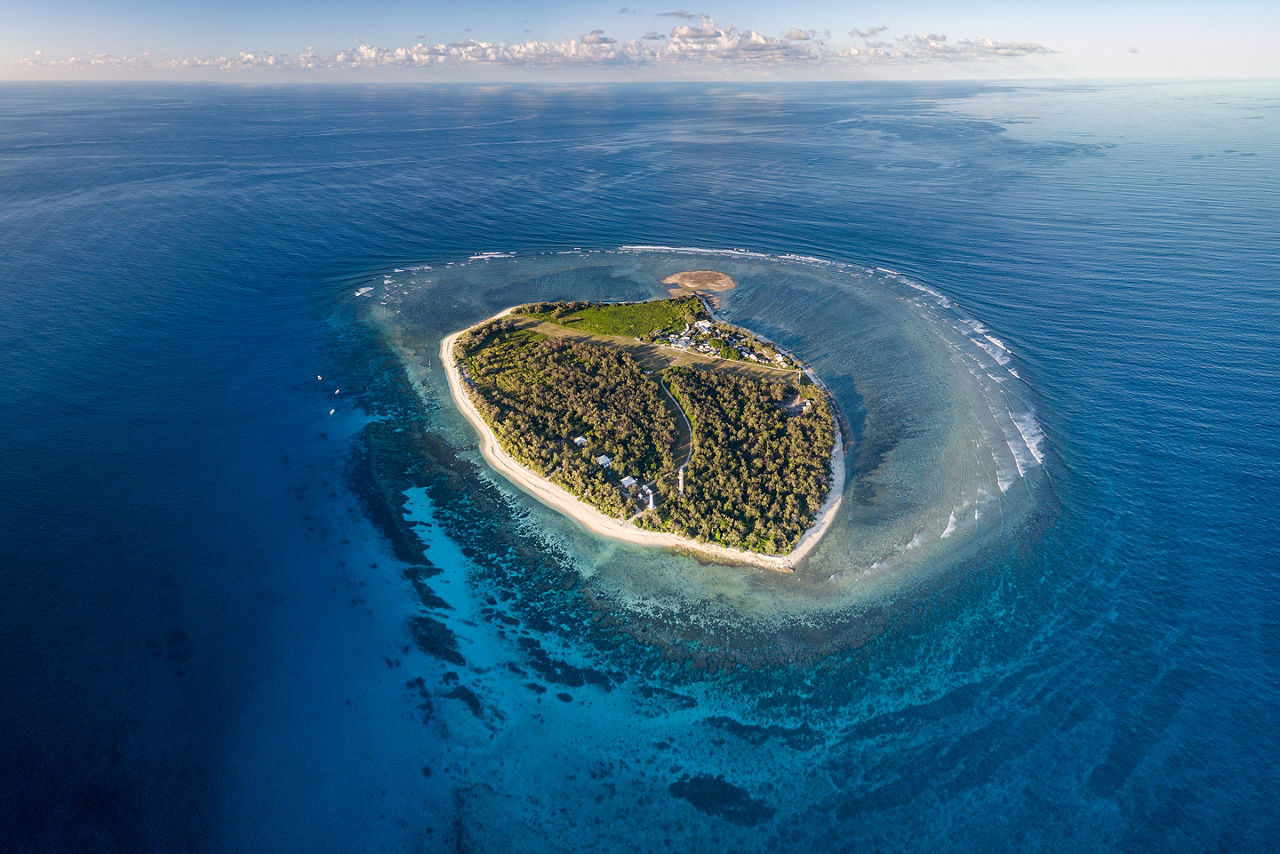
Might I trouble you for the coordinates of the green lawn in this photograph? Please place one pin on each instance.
(632, 319)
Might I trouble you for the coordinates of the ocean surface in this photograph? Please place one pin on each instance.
(1047, 616)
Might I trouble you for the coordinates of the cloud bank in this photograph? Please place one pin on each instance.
(698, 42)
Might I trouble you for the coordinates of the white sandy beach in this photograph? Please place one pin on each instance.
(593, 520)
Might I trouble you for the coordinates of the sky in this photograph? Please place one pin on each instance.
(584, 40)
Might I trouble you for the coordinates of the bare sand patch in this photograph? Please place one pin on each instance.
(699, 282)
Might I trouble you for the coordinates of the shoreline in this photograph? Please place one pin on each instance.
(564, 502)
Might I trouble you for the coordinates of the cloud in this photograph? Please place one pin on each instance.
(626, 10)
(700, 41)
(937, 48)
(688, 16)
(710, 42)
(688, 33)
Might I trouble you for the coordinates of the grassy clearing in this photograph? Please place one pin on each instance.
(654, 357)
(630, 320)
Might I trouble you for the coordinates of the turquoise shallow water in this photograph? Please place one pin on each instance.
(210, 645)
(947, 457)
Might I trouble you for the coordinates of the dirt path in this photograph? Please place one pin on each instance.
(687, 431)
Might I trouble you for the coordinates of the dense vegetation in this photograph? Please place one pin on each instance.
(761, 461)
(539, 393)
(643, 320)
(761, 447)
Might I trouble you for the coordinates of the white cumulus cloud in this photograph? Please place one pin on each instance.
(699, 39)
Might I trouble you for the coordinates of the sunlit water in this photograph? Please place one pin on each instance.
(1045, 616)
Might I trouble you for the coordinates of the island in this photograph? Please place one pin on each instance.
(656, 422)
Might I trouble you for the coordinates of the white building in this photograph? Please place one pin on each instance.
(604, 461)
(579, 440)
(628, 482)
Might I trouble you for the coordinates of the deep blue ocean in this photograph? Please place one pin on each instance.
(209, 641)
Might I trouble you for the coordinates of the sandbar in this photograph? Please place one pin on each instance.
(699, 282)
